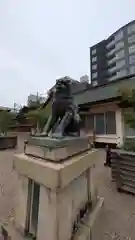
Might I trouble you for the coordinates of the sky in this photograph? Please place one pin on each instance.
(41, 40)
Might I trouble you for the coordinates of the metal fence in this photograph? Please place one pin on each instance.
(123, 170)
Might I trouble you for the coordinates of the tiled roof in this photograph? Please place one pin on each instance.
(105, 92)
(78, 87)
(5, 108)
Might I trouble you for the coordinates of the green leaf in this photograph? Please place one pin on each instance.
(128, 96)
(38, 117)
(6, 119)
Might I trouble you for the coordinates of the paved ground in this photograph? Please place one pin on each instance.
(8, 187)
(118, 218)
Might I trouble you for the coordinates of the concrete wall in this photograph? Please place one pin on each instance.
(57, 210)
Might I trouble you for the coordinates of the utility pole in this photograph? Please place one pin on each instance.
(37, 96)
(15, 106)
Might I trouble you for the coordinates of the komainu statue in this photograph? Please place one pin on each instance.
(65, 120)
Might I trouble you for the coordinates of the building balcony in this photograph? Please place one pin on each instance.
(110, 44)
(114, 59)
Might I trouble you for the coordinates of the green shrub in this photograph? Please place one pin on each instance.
(39, 118)
(128, 97)
(6, 120)
(129, 144)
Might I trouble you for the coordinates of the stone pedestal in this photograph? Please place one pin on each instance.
(64, 194)
(54, 149)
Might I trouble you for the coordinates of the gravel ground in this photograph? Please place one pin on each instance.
(118, 216)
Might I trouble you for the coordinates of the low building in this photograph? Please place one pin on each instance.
(102, 112)
(2, 108)
(34, 98)
(84, 79)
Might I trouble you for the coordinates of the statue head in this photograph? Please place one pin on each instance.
(62, 87)
(63, 82)
(64, 112)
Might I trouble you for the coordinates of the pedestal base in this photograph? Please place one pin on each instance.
(54, 199)
(54, 149)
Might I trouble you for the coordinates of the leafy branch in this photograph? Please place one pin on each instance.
(6, 120)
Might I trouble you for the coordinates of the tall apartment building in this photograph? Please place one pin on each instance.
(114, 57)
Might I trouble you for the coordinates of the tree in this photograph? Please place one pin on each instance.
(6, 119)
(128, 96)
(128, 100)
(21, 115)
(39, 118)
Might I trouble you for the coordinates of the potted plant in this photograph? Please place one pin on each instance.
(6, 139)
(123, 160)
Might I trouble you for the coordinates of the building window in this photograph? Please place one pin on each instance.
(120, 64)
(120, 54)
(94, 75)
(131, 39)
(119, 45)
(132, 59)
(119, 35)
(94, 51)
(132, 49)
(100, 123)
(94, 59)
(131, 28)
(94, 67)
(105, 123)
(110, 122)
(132, 70)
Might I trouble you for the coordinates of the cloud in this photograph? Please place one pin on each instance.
(41, 40)
(7, 60)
